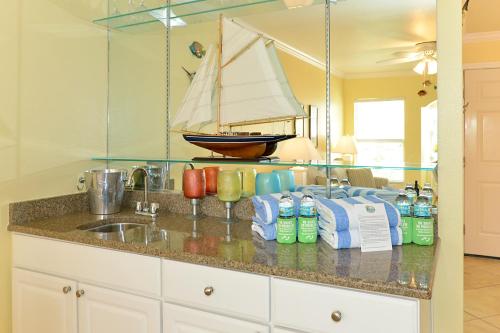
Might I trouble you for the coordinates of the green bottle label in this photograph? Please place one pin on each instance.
(423, 231)
(407, 229)
(286, 230)
(308, 229)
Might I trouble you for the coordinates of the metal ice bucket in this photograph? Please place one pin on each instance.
(105, 189)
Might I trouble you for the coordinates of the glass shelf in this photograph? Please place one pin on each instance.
(191, 11)
(322, 164)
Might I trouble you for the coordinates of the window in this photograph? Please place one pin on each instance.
(379, 127)
(429, 128)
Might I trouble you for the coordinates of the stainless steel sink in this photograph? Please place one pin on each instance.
(116, 227)
(125, 232)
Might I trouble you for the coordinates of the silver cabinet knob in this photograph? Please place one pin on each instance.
(80, 293)
(66, 289)
(208, 291)
(336, 316)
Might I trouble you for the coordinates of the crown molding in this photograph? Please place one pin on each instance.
(290, 50)
(478, 37)
(481, 65)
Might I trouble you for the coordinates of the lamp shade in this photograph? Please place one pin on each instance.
(298, 149)
(426, 66)
(346, 145)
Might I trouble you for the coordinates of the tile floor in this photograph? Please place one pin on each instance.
(481, 295)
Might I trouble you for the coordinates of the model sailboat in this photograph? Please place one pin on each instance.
(241, 82)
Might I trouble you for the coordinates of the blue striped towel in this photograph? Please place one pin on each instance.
(267, 206)
(350, 238)
(339, 214)
(387, 195)
(319, 190)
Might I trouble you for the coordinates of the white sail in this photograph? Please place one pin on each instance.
(254, 85)
(196, 107)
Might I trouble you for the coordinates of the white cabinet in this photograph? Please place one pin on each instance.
(179, 319)
(105, 311)
(321, 309)
(217, 290)
(43, 303)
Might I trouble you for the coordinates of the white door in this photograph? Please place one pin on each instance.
(105, 311)
(42, 303)
(482, 162)
(178, 319)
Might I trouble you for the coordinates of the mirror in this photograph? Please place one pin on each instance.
(377, 96)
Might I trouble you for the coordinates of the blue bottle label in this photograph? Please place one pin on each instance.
(286, 210)
(404, 209)
(422, 211)
(308, 209)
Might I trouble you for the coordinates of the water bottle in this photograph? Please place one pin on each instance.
(404, 206)
(411, 193)
(286, 226)
(308, 219)
(428, 192)
(423, 223)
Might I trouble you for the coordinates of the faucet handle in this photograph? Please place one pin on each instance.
(138, 206)
(155, 207)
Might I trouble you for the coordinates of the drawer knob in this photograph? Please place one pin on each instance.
(66, 289)
(80, 293)
(336, 316)
(208, 291)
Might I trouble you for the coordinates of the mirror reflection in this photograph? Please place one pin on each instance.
(383, 83)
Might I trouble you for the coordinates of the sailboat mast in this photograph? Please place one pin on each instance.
(219, 78)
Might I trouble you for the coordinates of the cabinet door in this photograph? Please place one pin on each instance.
(178, 319)
(105, 311)
(42, 303)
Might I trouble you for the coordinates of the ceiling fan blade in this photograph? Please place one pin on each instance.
(408, 54)
(394, 61)
(424, 46)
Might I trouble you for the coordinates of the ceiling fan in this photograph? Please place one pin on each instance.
(425, 53)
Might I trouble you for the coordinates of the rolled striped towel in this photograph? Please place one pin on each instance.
(387, 195)
(267, 206)
(339, 214)
(319, 190)
(351, 239)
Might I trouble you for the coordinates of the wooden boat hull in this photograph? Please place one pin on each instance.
(242, 146)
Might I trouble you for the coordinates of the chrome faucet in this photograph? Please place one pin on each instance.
(144, 208)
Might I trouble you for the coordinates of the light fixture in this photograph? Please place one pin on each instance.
(426, 66)
(292, 4)
(347, 146)
(298, 149)
(161, 15)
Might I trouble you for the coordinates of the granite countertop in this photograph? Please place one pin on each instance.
(406, 271)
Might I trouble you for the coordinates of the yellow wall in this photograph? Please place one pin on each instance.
(403, 87)
(479, 52)
(447, 299)
(52, 108)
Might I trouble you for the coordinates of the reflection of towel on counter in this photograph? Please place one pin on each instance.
(339, 214)
(350, 238)
(266, 231)
(267, 206)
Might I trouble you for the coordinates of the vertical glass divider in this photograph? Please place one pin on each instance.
(328, 99)
(168, 94)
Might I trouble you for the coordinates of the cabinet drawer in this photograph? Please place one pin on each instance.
(234, 293)
(108, 268)
(178, 319)
(310, 307)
